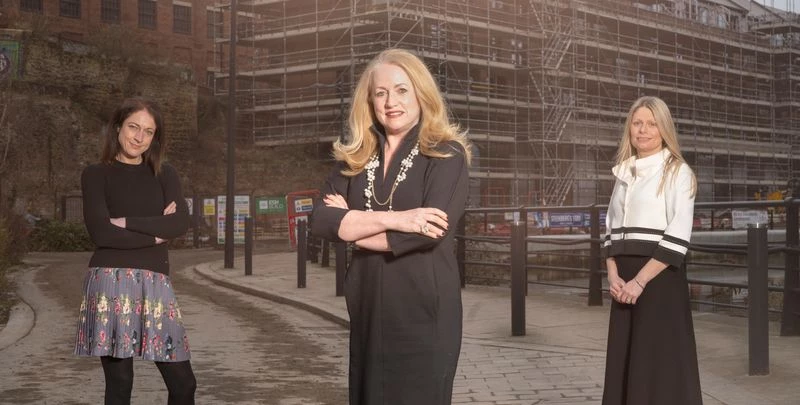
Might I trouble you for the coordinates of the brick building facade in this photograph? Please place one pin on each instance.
(182, 31)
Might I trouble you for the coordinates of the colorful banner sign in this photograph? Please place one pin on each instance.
(241, 210)
(303, 205)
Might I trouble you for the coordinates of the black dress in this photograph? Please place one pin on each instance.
(404, 305)
(651, 358)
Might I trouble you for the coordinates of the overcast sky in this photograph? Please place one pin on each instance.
(791, 5)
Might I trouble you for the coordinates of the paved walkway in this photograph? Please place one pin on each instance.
(562, 357)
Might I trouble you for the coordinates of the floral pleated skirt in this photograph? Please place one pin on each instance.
(130, 313)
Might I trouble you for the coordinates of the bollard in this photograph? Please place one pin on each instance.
(341, 267)
(595, 278)
(196, 218)
(461, 250)
(248, 246)
(325, 261)
(302, 252)
(311, 252)
(518, 278)
(757, 308)
(790, 322)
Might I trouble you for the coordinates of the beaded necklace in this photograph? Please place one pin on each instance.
(369, 191)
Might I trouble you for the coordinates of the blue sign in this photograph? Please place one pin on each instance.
(547, 219)
(567, 219)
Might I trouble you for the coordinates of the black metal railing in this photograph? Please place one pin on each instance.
(505, 246)
(486, 239)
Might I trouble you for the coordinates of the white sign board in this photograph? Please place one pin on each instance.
(740, 218)
(241, 210)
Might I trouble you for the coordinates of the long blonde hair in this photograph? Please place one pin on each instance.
(435, 129)
(669, 138)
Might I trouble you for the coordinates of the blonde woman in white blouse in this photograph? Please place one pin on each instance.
(651, 358)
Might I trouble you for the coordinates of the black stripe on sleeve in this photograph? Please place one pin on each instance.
(677, 241)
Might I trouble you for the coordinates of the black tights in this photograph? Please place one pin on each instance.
(178, 377)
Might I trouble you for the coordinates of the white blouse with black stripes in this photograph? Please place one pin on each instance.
(641, 222)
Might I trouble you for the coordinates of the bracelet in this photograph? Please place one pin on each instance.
(637, 282)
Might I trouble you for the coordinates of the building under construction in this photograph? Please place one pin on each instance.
(543, 86)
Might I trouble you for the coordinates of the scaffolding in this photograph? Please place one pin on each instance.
(543, 86)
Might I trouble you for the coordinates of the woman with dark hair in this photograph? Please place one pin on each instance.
(133, 204)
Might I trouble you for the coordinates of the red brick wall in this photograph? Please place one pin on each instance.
(193, 49)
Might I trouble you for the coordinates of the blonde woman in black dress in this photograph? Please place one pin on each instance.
(398, 189)
(651, 357)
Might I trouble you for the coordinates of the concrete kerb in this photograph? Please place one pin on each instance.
(21, 320)
(206, 270)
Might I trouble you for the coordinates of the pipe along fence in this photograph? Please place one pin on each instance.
(504, 246)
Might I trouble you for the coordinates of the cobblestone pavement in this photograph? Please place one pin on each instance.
(560, 360)
(290, 344)
(493, 374)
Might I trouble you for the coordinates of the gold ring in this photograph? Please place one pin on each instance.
(425, 228)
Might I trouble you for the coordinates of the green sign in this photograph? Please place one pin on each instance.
(271, 205)
(10, 59)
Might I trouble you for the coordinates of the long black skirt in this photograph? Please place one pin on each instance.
(652, 357)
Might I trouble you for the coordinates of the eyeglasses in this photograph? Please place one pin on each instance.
(648, 124)
(135, 128)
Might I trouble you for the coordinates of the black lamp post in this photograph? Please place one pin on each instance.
(231, 179)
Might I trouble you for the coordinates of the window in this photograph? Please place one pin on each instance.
(70, 8)
(210, 79)
(215, 24)
(181, 19)
(147, 14)
(110, 11)
(33, 6)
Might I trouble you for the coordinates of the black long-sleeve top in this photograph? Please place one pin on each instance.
(431, 182)
(134, 192)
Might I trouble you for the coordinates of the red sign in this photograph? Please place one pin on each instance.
(299, 205)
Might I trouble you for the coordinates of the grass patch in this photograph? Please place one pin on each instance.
(13, 234)
(7, 297)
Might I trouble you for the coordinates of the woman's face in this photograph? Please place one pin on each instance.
(135, 135)
(394, 99)
(645, 136)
